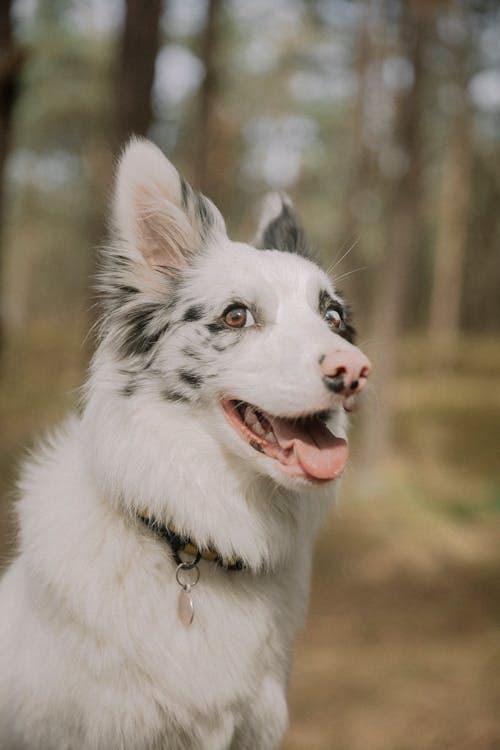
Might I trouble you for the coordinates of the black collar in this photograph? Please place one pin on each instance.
(179, 543)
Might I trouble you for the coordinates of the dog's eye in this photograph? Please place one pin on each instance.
(238, 316)
(334, 319)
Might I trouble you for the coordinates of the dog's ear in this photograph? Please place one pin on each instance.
(157, 213)
(279, 227)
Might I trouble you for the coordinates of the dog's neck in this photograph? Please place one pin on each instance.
(179, 543)
(172, 469)
(262, 543)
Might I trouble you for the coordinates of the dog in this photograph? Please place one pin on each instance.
(167, 529)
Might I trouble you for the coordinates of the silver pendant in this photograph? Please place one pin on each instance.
(185, 607)
(187, 576)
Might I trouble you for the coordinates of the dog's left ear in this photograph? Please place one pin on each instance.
(279, 227)
(161, 218)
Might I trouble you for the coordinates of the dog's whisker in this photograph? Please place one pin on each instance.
(349, 273)
(337, 261)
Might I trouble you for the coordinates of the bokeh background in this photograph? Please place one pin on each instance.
(382, 120)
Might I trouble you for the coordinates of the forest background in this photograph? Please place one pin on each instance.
(382, 119)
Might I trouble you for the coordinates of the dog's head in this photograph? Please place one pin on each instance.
(252, 342)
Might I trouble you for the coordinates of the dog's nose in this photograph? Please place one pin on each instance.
(345, 371)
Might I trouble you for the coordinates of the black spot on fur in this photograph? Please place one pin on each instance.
(129, 291)
(192, 353)
(190, 378)
(230, 337)
(174, 298)
(120, 295)
(324, 301)
(285, 233)
(204, 215)
(174, 396)
(138, 339)
(121, 261)
(185, 191)
(349, 332)
(194, 313)
(129, 389)
(216, 327)
(227, 344)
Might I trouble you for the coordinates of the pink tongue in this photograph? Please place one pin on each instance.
(315, 449)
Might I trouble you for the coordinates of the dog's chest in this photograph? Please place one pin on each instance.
(209, 674)
(241, 629)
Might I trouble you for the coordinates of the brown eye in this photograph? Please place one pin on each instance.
(238, 316)
(333, 318)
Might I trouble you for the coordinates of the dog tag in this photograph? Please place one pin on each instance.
(187, 575)
(185, 607)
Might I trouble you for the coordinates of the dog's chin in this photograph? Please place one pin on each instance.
(296, 452)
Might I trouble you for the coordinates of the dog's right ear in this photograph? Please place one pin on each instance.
(157, 213)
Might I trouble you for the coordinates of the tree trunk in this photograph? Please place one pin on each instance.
(139, 48)
(394, 279)
(11, 59)
(358, 173)
(452, 230)
(132, 114)
(206, 125)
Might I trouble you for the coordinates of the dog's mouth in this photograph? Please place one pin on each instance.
(302, 447)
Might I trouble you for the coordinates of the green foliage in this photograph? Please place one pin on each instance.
(66, 90)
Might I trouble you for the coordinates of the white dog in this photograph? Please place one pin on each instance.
(167, 530)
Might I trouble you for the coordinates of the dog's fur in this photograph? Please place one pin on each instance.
(92, 653)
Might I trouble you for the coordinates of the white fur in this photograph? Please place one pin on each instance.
(92, 653)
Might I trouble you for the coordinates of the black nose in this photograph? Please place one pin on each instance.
(345, 370)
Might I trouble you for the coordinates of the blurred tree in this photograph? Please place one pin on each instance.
(480, 299)
(139, 47)
(206, 126)
(359, 158)
(452, 231)
(215, 127)
(403, 227)
(11, 59)
(133, 111)
(454, 207)
(278, 103)
(62, 117)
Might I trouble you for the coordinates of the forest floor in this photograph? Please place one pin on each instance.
(401, 650)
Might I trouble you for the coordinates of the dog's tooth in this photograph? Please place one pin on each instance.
(270, 437)
(250, 416)
(257, 427)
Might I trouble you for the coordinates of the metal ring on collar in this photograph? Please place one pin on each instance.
(188, 567)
